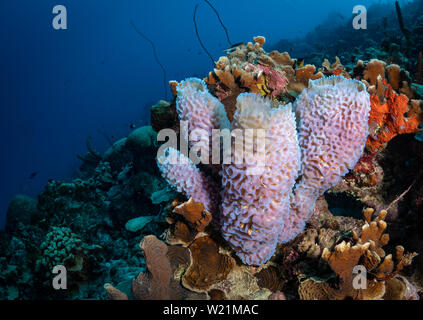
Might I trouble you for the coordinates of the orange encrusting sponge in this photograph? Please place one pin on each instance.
(389, 119)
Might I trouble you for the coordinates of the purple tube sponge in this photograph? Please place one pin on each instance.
(196, 105)
(262, 204)
(255, 202)
(181, 173)
(203, 113)
(334, 114)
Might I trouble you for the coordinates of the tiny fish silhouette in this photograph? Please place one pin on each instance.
(33, 175)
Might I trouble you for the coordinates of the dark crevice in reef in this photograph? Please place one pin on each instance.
(401, 163)
(342, 204)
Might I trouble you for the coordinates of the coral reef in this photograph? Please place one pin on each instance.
(204, 269)
(181, 173)
(391, 118)
(187, 221)
(21, 210)
(365, 250)
(333, 129)
(162, 115)
(254, 203)
(160, 281)
(207, 266)
(61, 246)
(256, 211)
(197, 272)
(364, 174)
(248, 68)
(342, 134)
(383, 38)
(80, 224)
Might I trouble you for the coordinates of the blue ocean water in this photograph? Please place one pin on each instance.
(99, 77)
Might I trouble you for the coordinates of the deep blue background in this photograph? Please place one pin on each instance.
(58, 87)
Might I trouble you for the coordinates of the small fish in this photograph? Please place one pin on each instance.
(237, 44)
(33, 175)
(132, 126)
(232, 48)
(340, 16)
(299, 63)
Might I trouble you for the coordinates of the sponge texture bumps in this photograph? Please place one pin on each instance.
(255, 206)
(334, 115)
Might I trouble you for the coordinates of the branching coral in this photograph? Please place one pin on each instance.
(62, 246)
(302, 76)
(248, 68)
(93, 156)
(334, 69)
(366, 250)
(373, 70)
